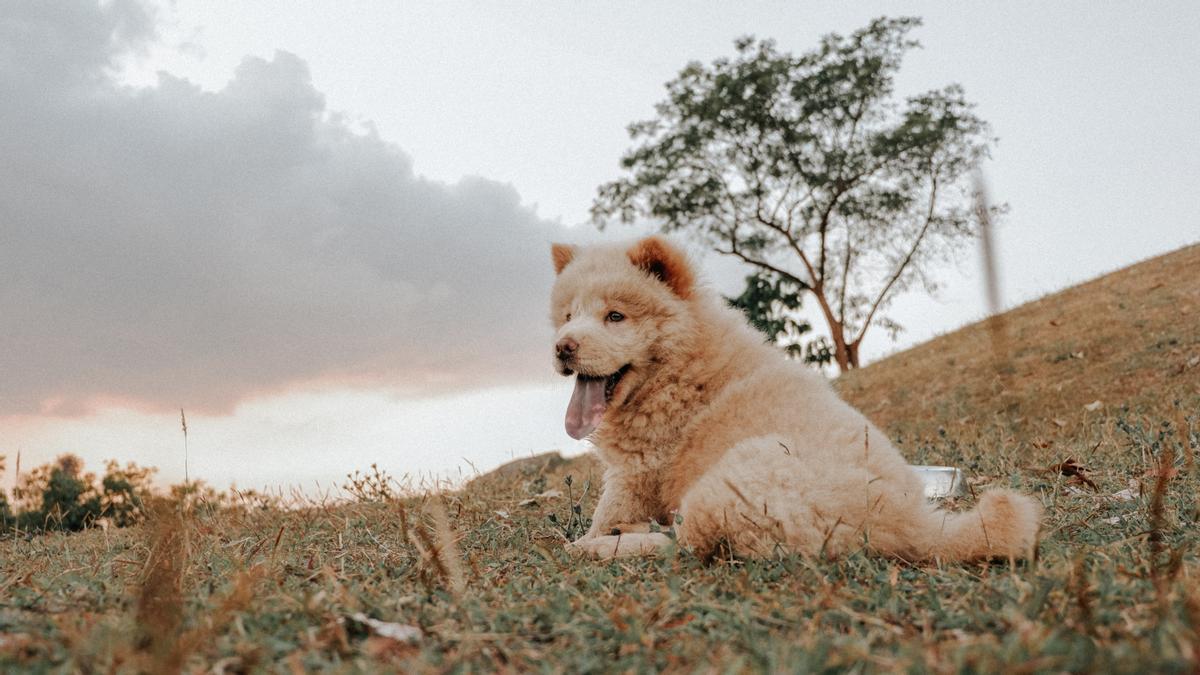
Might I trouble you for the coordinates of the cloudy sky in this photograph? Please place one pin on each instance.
(322, 228)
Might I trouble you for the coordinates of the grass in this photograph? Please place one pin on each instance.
(476, 579)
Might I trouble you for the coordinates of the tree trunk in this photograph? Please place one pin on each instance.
(841, 351)
(846, 355)
(852, 354)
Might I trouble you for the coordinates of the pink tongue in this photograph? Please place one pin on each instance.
(586, 407)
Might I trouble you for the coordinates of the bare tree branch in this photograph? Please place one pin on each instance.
(933, 189)
(795, 246)
(845, 279)
(733, 250)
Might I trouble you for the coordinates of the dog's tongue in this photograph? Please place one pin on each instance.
(586, 407)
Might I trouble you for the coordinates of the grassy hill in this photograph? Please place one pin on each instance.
(1088, 398)
(1130, 338)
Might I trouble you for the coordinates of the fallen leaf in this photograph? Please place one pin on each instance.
(1093, 406)
(1126, 495)
(550, 494)
(1059, 423)
(1072, 469)
(1115, 520)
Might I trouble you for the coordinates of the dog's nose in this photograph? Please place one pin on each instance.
(566, 348)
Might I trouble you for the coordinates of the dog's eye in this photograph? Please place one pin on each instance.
(614, 317)
(568, 317)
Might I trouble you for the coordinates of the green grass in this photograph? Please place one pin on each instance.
(1099, 598)
(488, 584)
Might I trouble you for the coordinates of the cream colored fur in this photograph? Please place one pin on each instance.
(743, 450)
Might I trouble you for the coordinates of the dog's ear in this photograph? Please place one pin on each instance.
(562, 254)
(666, 263)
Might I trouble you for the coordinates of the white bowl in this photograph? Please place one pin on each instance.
(942, 481)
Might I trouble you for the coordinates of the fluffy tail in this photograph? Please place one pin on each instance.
(1004, 524)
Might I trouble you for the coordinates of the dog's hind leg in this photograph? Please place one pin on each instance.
(756, 501)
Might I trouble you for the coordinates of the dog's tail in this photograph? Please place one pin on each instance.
(1004, 524)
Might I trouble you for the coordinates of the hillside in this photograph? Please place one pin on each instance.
(1129, 338)
(476, 580)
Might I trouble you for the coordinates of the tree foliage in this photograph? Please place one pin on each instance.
(6, 516)
(60, 495)
(771, 303)
(807, 169)
(125, 492)
(69, 499)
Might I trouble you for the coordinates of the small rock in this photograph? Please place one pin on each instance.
(400, 632)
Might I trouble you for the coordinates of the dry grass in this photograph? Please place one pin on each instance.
(1130, 338)
(477, 580)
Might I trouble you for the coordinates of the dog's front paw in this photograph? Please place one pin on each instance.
(621, 545)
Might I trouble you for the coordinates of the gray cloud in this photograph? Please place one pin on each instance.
(170, 246)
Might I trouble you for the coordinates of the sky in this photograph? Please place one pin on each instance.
(322, 228)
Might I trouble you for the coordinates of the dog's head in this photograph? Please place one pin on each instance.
(620, 313)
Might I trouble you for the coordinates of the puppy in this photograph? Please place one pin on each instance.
(703, 425)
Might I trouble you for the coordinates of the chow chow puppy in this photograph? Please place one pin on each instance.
(702, 425)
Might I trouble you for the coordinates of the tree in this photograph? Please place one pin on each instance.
(805, 168)
(27, 494)
(126, 491)
(58, 496)
(6, 516)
